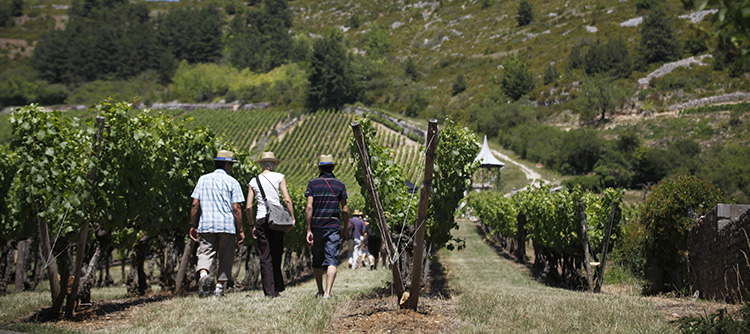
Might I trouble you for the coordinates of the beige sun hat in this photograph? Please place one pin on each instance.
(225, 155)
(357, 213)
(326, 160)
(268, 156)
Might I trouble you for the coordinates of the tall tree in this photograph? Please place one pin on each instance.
(114, 40)
(611, 57)
(600, 95)
(192, 34)
(658, 39)
(260, 39)
(331, 80)
(517, 79)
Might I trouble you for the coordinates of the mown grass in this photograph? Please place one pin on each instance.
(494, 297)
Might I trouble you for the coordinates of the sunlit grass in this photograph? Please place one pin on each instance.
(497, 298)
(297, 311)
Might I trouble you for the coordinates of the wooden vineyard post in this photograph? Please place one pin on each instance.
(49, 263)
(607, 235)
(585, 241)
(424, 195)
(21, 249)
(364, 160)
(186, 254)
(81, 247)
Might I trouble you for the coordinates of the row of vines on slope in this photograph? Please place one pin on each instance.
(552, 221)
(454, 166)
(327, 132)
(136, 203)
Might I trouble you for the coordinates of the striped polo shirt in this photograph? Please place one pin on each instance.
(217, 192)
(326, 199)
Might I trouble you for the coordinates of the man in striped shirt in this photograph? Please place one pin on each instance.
(326, 204)
(218, 196)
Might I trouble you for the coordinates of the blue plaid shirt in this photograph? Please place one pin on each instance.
(217, 192)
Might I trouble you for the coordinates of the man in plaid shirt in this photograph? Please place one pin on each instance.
(218, 196)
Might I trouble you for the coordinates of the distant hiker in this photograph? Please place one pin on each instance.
(374, 243)
(270, 242)
(358, 230)
(218, 196)
(326, 204)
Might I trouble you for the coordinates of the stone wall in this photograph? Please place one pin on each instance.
(719, 254)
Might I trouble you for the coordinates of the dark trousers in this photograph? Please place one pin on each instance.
(270, 250)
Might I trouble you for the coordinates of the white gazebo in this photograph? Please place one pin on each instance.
(489, 168)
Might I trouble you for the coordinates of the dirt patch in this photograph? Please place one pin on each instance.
(380, 314)
(676, 308)
(109, 314)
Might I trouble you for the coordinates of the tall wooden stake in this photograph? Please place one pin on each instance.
(607, 235)
(186, 254)
(424, 195)
(47, 259)
(585, 240)
(81, 247)
(364, 161)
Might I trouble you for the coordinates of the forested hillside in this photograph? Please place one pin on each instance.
(595, 90)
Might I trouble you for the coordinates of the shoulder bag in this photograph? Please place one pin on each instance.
(277, 216)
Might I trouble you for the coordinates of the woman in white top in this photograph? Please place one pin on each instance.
(270, 242)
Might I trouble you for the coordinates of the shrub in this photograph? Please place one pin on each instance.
(671, 208)
(517, 79)
(717, 322)
(459, 85)
(629, 252)
(202, 82)
(354, 21)
(647, 4)
(376, 41)
(550, 74)
(525, 13)
(576, 57)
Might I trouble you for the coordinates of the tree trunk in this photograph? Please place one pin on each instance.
(38, 269)
(521, 239)
(80, 254)
(58, 301)
(138, 283)
(167, 275)
(22, 254)
(88, 273)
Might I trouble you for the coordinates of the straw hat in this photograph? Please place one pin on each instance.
(224, 155)
(326, 160)
(357, 213)
(268, 156)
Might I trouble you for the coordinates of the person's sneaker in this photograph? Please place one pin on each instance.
(219, 291)
(205, 285)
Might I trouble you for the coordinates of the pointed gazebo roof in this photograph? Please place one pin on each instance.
(485, 157)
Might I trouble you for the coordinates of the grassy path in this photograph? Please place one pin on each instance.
(297, 311)
(494, 297)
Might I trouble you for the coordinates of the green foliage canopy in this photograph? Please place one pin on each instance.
(671, 208)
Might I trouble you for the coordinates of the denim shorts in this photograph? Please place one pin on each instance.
(326, 247)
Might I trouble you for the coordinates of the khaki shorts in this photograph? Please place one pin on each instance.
(211, 243)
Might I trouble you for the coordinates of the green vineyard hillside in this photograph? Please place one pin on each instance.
(299, 142)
